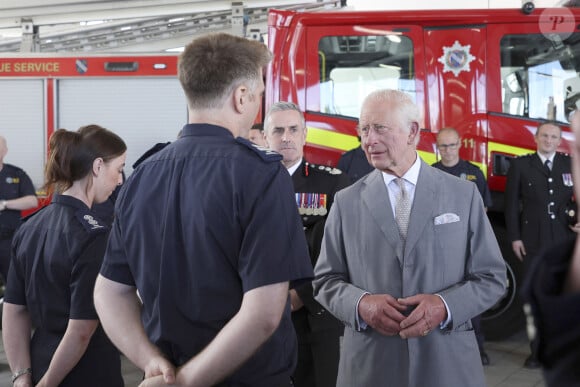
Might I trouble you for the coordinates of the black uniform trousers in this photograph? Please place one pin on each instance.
(319, 332)
(536, 201)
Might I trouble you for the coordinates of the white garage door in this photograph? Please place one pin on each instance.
(142, 111)
(22, 123)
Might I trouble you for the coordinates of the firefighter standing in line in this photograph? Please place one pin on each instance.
(16, 194)
(318, 331)
(256, 135)
(354, 163)
(449, 143)
(541, 183)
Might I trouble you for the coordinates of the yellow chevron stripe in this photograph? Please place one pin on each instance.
(346, 142)
(428, 157)
(329, 139)
(508, 149)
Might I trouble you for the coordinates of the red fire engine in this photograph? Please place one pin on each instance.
(491, 74)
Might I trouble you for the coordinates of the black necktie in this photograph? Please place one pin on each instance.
(548, 165)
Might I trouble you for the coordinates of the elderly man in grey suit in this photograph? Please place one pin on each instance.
(408, 258)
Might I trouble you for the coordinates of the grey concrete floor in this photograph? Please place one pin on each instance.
(506, 368)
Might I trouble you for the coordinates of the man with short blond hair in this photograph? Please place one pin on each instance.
(538, 195)
(207, 232)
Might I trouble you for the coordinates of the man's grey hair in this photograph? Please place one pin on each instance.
(408, 111)
(283, 106)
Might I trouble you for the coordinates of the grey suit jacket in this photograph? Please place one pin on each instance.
(456, 256)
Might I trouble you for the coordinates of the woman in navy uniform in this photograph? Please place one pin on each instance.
(56, 256)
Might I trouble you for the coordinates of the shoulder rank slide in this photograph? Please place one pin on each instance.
(265, 154)
(90, 223)
(325, 168)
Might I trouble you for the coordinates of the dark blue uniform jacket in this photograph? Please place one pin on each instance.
(199, 223)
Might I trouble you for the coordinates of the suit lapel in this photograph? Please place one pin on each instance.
(423, 206)
(376, 198)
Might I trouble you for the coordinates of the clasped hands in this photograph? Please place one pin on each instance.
(159, 372)
(390, 317)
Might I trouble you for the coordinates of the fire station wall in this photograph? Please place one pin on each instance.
(142, 111)
(22, 123)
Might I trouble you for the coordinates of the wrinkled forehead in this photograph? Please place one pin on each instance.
(375, 112)
(285, 119)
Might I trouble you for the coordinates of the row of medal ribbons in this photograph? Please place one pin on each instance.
(311, 203)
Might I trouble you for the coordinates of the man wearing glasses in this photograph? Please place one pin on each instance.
(448, 144)
(408, 258)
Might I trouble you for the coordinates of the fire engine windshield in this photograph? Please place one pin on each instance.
(353, 66)
(540, 75)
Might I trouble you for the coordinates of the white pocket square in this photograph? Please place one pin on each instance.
(446, 218)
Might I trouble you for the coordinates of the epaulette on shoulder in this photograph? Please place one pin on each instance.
(527, 155)
(563, 154)
(14, 168)
(325, 169)
(90, 223)
(265, 154)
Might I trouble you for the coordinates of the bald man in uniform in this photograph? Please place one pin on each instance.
(17, 193)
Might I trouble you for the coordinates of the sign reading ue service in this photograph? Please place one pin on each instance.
(29, 67)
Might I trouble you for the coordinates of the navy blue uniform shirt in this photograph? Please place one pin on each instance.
(56, 256)
(467, 171)
(355, 164)
(14, 184)
(199, 223)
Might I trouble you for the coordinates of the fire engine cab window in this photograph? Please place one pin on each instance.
(540, 75)
(353, 66)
